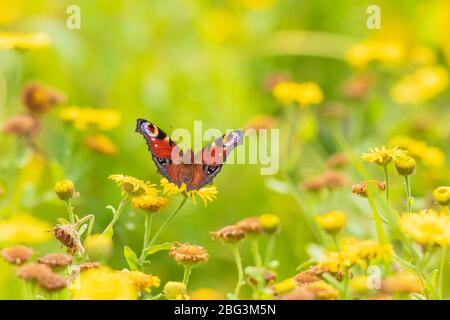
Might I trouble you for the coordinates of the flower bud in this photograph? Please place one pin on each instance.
(65, 190)
(270, 223)
(175, 290)
(405, 165)
(442, 195)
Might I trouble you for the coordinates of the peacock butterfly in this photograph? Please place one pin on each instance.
(195, 170)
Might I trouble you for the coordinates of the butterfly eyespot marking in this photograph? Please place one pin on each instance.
(163, 161)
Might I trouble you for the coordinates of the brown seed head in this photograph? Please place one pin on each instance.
(67, 235)
(188, 254)
(38, 98)
(51, 281)
(250, 225)
(337, 160)
(33, 271)
(56, 260)
(360, 189)
(21, 125)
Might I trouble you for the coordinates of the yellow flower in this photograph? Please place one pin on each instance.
(427, 227)
(429, 156)
(387, 52)
(422, 55)
(98, 246)
(103, 284)
(420, 86)
(358, 284)
(332, 222)
(442, 195)
(405, 165)
(175, 291)
(270, 223)
(305, 94)
(207, 294)
(356, 252)
(382, 156)
(23, 41)
(133, 186)
(23, 228)
(149, 203)
(83, 118)
(141, 281)
(208, 193)
(65, 190)
(101, 144)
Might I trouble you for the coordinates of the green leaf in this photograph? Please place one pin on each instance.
(132, 259)
(82, 230)
(158, 247)
(305, 265)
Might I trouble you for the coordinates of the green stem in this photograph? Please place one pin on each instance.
(346, 284)
(167, 222)
(255, 252)
(336, 242)
(381, 234)
(117, 213)
(386, 177)
(441, 272)
(147, 231)
(70, 211)
(187, 274)
(269, 249)
(237, 258)
(408, 194)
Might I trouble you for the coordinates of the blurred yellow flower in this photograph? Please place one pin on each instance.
(102, 284)
(208, 193)
(387, 52)
(133, 186)
(149, 203)
(226, 25)
(421, 55)
(99, 246)
(65, 190)
(305, 94)
(101, 144)
(358, 284)
(284, 286)
(270, 223)
(23, 41)
(141, 281)
(356, 252)
(207, 294)
(427, 227)
(442, 195)
(332, 222)
(422, 85)
(257, 4)
(24, 228)
(83, 118)
(382, 156)
(429, 156)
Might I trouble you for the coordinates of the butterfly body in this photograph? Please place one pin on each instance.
(193, 170)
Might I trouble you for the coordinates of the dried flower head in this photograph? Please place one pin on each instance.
(99, 246)
(149, 203)
(255, 273)
(358, 87)
(360, 189)
(250, 225)
(65, 190)
(229, 234)
(383, 156)
(332, 222)
(175, 291)
(33, 271)
(270, 223)
(208, 193)
(188, 254)
(405, 165)
(39, 98)
(51, 281)
(101, 144)
(133, 186)
(22, 125)
(89, 265)
(442, 195)
(322, 290)
(56, 260)
(298, 294)
(67, 235)
(17, 254)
